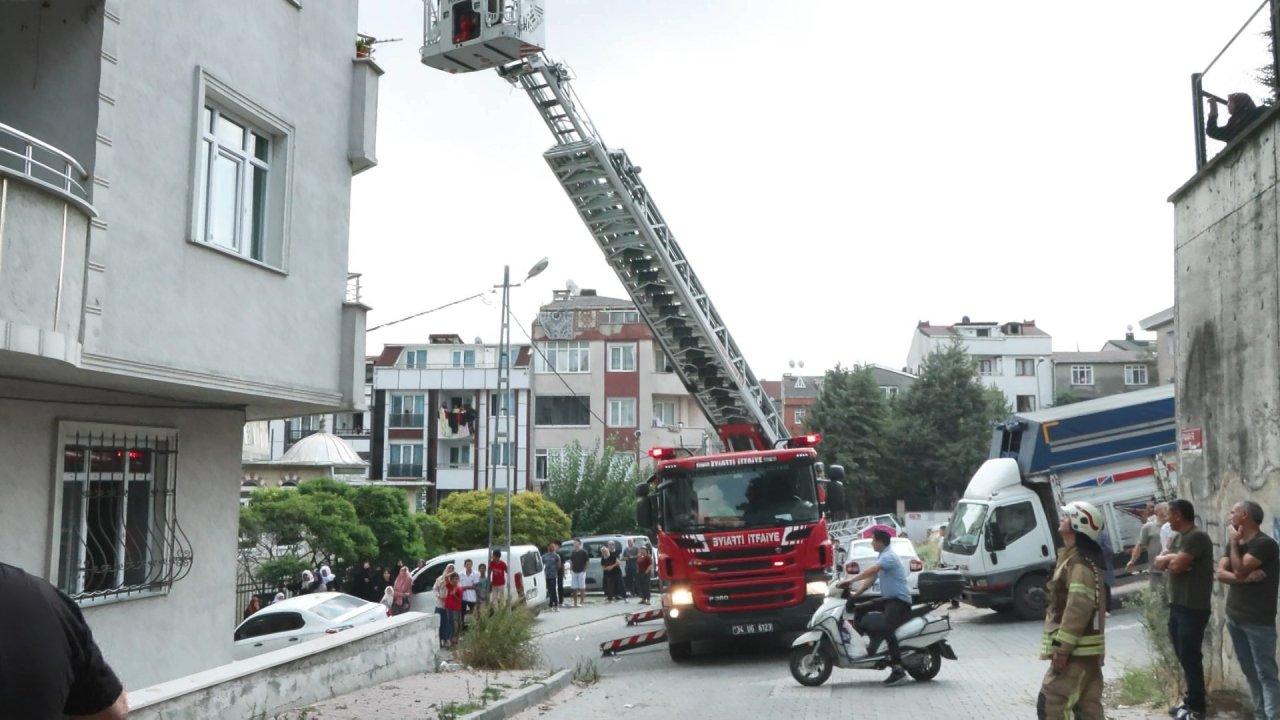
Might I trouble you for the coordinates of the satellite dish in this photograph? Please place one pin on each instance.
(791, 363)
(479, 340)
(1129, 328)
(572, 287)
(801, 364)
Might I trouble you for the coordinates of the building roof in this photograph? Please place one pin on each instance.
(1128, 343)
(1109, 356)
(801, 386)
(1160, 319)
(388, 356)
(772, 388)
(320, 449)
(890, 377)
(1027, 327)
(587, 300)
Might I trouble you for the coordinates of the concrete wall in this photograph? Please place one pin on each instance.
(298, 676)
(1228, 341)
(149, 639)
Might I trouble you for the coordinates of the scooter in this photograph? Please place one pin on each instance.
(837, 634)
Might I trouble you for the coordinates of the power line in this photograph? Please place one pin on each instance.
(426, 312)
(552, 366)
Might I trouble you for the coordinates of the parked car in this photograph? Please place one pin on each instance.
(526, 575)
(592, 544)
(859, 554)
(301, 618)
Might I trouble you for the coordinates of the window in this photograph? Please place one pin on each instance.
(232, 181)
(622, 357)
(989, 366)
(661, 361)
(1135, 374)
(407, 411)
(459, 456)
(464, 358)
(427, 578)
(799, 416)
(119, 533)
(1081, 374)
(269, 624)
(620, 317)
(983, 332)
(500, 404)
(563, 357)
(552, 410)
(1026, 403)
(531, 564)
(889, 391)
(415, 358)
(1013, 521)
(664, 413)
(404, 460)
(622, 412)
(500, 454)
(337, 607)
(543, 460)
(1025, 367)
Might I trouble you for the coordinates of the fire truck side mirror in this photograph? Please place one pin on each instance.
(642, 490)
(644, 513)
(835, 497)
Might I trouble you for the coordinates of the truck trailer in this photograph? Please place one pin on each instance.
(1115, 452)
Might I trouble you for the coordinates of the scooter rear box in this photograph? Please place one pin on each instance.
(939, 586)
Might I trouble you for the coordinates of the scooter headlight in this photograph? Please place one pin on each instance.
(816, 587)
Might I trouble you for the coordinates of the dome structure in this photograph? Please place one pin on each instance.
(322, 449)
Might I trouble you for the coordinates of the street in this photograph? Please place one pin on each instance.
(997, 674)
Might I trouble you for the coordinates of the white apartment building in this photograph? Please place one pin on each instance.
(601, 378)
(1014, 357)
(440, 424)
(174, 211)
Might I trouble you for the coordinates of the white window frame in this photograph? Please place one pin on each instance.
(1131, 373)
(543, 459)
(659, 419)
(500, 406)
(1034, 403)
(1019, 363)
(500, 454)
(616, 417)
(890, 391)
(415, 358)
(989, 367)
(622, 357)
(212, 92)
(396, 452)
(798, 415)
(1082, 375)
(566, 357)
(459, 358)
(462, 452)
(662, 363)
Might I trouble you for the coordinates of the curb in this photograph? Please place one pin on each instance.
(525, 698)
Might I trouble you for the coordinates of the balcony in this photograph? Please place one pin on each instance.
(45, 203)
(405, 420)
(400, 470)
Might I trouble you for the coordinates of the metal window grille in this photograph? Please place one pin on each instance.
(119, 533)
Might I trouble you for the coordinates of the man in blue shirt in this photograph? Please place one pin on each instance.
(895, 594)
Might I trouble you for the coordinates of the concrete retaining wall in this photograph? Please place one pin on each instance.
(297, 676)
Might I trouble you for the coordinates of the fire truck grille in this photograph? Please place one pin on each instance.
(763, 594)
(735, 554)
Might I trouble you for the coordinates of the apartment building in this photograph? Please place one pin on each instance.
(798, 393)
(440, 423)
(174, 204)
(600, 378)
(1013, 357)
(1090, 375)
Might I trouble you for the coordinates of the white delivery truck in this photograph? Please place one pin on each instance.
(1116, 452)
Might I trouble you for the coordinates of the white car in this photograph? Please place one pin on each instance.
(301, 618)
(528, 575)
(860, 554)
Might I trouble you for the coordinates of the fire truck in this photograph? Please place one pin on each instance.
(742, 544)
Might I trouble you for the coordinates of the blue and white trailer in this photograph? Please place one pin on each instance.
(1116, 452)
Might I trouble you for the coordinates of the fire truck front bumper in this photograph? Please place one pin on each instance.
(689, 624)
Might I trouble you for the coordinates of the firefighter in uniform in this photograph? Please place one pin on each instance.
(1074, 621)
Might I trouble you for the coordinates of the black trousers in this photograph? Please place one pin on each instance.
(1186, 631)
(553, 590)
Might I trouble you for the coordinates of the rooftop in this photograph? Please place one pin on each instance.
(1160, 319)
(586, 300)
(1011, 328)
(1109, 356)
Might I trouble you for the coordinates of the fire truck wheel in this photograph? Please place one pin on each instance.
(680, 651)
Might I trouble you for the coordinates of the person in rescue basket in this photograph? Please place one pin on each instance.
(1074, 620)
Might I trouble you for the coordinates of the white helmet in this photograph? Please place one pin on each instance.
(1085, 518)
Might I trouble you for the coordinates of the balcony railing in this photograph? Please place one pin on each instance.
(351, 431)
(353, 287)
(405, 420)
(295, 434)
(400, 470)
(41, 164)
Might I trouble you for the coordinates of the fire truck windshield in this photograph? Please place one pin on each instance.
(740, 497)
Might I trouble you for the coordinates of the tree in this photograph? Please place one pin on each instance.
(534, 520)
(316, 527)
(383, 511)
(595, 487)
(941, 428)
(433, 533)
(851, 413)
(1066, 397)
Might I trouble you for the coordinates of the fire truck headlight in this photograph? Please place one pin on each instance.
(816, 587)
(681, 597)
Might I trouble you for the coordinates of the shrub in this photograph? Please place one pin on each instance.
(534, 519)
(1153, 613)
(500, 638)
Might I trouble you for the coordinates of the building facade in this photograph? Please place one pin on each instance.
(1013, 357)
(1089, 375)
(440, 424)
(601, 379)
(1166, 343)
(798, 393)
(158, 209)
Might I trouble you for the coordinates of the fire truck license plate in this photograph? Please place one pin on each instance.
(752, 628)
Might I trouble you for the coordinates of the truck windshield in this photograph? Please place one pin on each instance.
(740, 497)
(965, 528)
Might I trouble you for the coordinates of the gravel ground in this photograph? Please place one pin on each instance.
(416, 696)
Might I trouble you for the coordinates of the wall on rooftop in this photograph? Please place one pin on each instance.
(1228, 358)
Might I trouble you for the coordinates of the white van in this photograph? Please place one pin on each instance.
(526, 574)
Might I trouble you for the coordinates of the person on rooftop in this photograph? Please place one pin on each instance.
(1243, 112)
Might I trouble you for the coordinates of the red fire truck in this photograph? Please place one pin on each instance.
(742, 546)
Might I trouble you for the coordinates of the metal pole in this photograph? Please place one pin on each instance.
(489, 474)
(1197, 113)
(505, 382)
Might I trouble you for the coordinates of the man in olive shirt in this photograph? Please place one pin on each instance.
(1251, 570)
(1189, 566)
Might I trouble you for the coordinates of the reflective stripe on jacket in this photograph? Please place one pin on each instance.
(1073, 619)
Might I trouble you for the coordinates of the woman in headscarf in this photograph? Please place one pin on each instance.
(279, 596)
(326, 579)
(441, 591)
(308, 582)
(401, 591)
(255, 604)
(389, 599)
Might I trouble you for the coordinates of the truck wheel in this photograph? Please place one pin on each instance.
(1030, 598)
(927, 666)
(680, 651)
(811, 668)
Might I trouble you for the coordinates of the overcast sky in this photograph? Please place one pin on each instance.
(835, 171)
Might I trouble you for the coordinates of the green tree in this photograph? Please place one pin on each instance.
(434, 537)
(383, 511)
(595, 487)
(316, 527)
(534, 519)
(851, 413)
(940, 431)
(1066, 397)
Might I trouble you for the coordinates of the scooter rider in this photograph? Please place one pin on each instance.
(895, 596)
(1074, 620)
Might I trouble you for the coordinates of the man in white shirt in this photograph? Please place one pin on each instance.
(1154, 538)
(467, 580)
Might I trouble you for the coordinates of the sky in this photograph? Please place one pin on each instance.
(835, 171)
